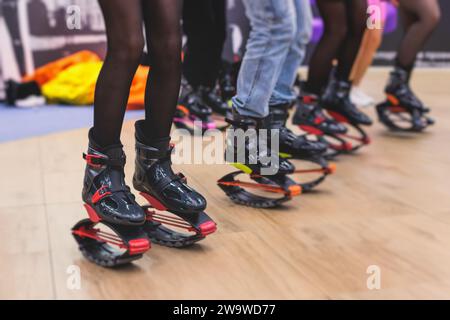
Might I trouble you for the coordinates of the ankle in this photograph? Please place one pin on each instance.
(99, 145)
(148, 139)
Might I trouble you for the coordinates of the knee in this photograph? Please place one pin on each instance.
(303, 36)
(284, 32)
(431, 19)
(129, 51)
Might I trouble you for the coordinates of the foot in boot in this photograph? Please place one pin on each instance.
(310, 117)
(104, 188)
(154, 176)
(291, 144)
(399, 91)
(249, 155)
(227, 81)
(336, 100)
(213, 100)
(192, 100)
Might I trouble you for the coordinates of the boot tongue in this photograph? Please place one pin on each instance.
(159, 144)
(279, 115)
(343, 89)
(116, 175)
(114, 152)
(399, 76)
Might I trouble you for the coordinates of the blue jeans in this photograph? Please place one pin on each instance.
(284, 89)
(275, 49)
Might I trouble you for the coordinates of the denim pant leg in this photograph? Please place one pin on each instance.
(284, 91)
(272, 33)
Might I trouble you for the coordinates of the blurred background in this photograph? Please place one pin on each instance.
(36, 33)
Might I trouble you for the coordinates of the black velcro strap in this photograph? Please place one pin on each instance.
(119, 162)
(96, 160)
(151, 153)
(164, 182)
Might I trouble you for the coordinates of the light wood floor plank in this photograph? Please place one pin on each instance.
(388, 206)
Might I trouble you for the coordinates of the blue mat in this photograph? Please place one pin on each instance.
(18, 123)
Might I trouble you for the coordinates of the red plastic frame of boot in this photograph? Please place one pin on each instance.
(338, 117)
(331, 168)
(366, 140)
(101, 236)
(100, 194)
(309, 99)
(207, 228)
(134, 247)
(92, 214)
(346, 146)
(397, 109)
(169, 220)
(311, 130)
(138, 246)
(155, 203)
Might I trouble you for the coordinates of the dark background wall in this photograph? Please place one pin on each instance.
(34, 32)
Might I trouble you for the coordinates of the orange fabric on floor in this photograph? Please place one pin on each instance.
(137, 91)
(49, 71)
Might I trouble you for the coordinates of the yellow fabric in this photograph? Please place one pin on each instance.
(71, 80)
(49, 71)
(74, 85)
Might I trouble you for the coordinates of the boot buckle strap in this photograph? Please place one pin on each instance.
(152, 153)
(98, 161)
(95, 161)
(100, 194)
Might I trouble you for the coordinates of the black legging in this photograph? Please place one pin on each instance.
(345, 22)
(204, 23)
(420, 18)
(124, 21)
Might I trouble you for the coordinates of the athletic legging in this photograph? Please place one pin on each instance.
(344, 25)
(124, 28)
(204, 23)
(420, 18)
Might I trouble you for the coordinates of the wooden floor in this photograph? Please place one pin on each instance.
(387, 206)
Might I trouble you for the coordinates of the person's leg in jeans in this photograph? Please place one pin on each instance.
(273, 31)
(284, 89)
(283, 94)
